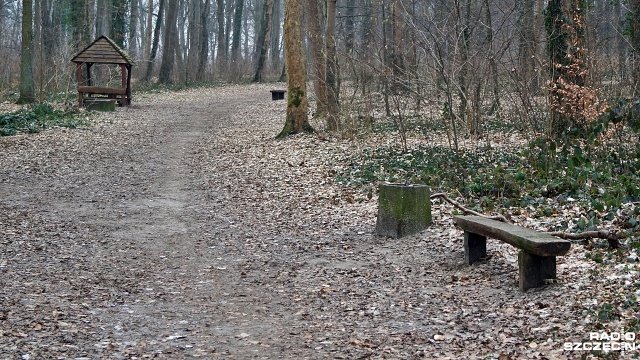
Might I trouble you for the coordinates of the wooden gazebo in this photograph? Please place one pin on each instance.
(103, 51)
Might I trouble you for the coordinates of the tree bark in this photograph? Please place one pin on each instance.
(117, 31)
(333, 93)
(169, 44)
(27, 92)
(526, 45)
(263, 39)
(204, 40)
(634, 34)
(275, 35)
(316, 41)
(133, 29)
(149, 32)
(100, 17)
(296, 120)
(221, 52)
(235, 40)
(156, 40)
(195, 18)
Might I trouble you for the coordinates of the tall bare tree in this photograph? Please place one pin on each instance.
(235, 40)
(316, 41)
(262, 43)
(156, 40)
(221, 51)
(333, 92)
(27, 90)
(634, 35)
(297, 120)
(169, 43)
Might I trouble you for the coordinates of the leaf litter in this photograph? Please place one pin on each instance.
(178, 227)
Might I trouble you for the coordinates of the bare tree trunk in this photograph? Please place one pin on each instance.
(204, 39)
(275, 35)
(221, 52)
(333, 93)
(526, 45)
(148, 34)
(634, 34)
(156, 40)
(117, 28)
(296, 120)
(133, 29)
(235, 41)
(27, 92)
(263, 39)
(464, 30)
(397, 50)
(195, 17)
(493, 65)
(169, 44)
(316, 40)
(100, 17)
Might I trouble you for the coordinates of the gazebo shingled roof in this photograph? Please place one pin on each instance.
(103, 51)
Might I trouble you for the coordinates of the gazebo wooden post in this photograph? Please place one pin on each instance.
(123, 77)
(79, 80)
(129, 84)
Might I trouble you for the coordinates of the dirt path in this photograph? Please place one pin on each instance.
(179, 228)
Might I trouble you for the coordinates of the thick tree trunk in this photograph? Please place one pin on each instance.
(316, 40)
(27, 92)
(169, 44)
(296, 120)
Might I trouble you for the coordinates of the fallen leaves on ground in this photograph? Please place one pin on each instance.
(178, 227)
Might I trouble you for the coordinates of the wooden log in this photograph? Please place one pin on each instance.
(531, 241)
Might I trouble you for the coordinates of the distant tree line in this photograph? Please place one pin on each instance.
(466, 58)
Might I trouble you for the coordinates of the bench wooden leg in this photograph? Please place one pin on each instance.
(475, 247)
(534, 269)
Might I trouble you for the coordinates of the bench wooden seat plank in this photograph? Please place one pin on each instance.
(531, 241)
(101, 90)
(536, 259)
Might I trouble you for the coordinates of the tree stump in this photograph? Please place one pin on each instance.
(403, 209)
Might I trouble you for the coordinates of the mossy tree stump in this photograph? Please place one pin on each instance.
(403, 210)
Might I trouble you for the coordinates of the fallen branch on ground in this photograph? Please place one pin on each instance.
(465, 210)
(595, 234)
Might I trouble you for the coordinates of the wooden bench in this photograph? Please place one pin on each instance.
(119, 94)
(538, 251)
(277, 94)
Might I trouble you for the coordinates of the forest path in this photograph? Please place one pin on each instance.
(179, 228)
